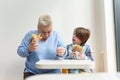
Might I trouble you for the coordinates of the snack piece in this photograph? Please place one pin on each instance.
(77, 48)
(35, 38)
(64, 71)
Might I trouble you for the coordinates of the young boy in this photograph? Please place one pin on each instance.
(80, 37)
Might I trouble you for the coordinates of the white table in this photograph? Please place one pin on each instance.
(67, 64)
(90, 76)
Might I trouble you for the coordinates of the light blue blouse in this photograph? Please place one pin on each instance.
(46, 50)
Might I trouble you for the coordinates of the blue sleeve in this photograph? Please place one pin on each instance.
(23, 47)
(69, 47)
(88, 53)
(61, 44)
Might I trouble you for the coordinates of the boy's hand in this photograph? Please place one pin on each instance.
(73, 54)
(80, 56)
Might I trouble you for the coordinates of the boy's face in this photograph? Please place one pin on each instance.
(76, 40)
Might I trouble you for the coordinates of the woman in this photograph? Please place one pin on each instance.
(50, 46)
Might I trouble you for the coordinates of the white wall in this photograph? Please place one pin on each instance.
(19, 16)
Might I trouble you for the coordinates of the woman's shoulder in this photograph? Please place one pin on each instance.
(54, 32)
(30, 32)
(34, 32)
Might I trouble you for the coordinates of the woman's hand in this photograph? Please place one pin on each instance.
(60, 51)
(32, 47)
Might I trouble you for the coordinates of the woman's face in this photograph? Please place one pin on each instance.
(76, 40)
(45, 32)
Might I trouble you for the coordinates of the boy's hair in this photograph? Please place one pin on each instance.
(82, 33)
(44, 20)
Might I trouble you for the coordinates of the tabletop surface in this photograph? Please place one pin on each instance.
(90, 76)
(69, 64)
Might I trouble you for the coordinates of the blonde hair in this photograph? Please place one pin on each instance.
(44, 20)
